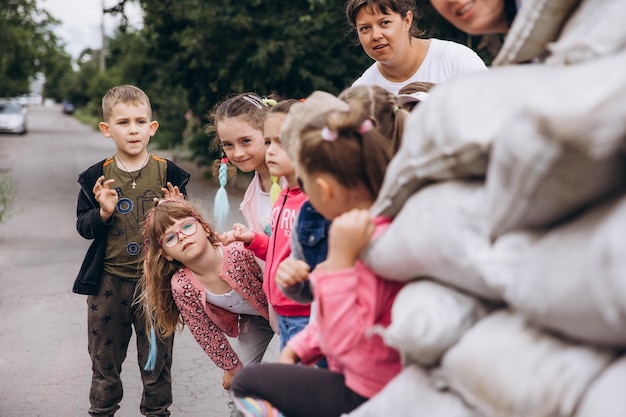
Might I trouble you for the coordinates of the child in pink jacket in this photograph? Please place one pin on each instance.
(341, 161)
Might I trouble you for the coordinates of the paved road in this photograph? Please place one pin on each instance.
(44, 366)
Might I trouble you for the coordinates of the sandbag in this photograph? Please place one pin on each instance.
(570, 278)
(436, 235)
(583, 39)
(411, 394)
(504, 367)
(439, 145)
(605, 397)
(537, 23)
(563, 150)
(453, 136)
(427, 319)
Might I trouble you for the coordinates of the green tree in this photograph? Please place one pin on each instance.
(7, 194)
(192, 53)
(216, 47)
(57, 66)
(28, 45)
(201, 51)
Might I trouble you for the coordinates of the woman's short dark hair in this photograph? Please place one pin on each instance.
(401, 7)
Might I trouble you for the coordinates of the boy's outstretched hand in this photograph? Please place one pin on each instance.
(240, 233)
(348, 235)
(105, 196)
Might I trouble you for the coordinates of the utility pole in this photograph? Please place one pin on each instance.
(102, 49)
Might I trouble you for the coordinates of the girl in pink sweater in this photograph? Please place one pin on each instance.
(341, 161)
(217, 291)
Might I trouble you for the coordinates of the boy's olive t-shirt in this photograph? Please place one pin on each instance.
(123, 257)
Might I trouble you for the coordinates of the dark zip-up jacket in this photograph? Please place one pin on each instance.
(90, 225)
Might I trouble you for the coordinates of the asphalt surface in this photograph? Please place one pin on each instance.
(44, 365)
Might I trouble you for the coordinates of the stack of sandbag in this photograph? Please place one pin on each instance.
(413, 393)
(428, 319)
(547, 348)
(505, 367)
(479, 361)
(508, 199)
(438, 233)
(570, 279)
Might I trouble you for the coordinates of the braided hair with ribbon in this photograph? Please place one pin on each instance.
(249, 108)
(221, 205)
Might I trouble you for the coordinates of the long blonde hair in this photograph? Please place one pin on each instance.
(156, 291)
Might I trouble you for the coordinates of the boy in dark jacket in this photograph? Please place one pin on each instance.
(115, 196)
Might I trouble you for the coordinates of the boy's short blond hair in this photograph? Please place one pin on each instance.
(124, 94)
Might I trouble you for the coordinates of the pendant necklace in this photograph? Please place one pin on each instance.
(134, 183)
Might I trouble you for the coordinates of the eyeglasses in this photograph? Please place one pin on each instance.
(171, 239)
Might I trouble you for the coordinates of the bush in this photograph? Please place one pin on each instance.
(7, 193)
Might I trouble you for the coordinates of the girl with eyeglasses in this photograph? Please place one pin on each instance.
(217, 291)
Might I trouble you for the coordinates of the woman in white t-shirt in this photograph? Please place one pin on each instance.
(388, 35)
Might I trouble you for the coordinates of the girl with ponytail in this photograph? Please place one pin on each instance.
(236, 123)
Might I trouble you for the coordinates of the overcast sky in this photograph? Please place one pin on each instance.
(80, 21)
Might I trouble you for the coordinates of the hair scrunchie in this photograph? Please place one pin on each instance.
(366, 126)
(274, 190)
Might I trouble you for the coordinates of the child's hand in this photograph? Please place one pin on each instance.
(348, 235)
(288, 356)
(227, 379)
(105, 196)
(291, 272)
(240, 233)
(171, 192)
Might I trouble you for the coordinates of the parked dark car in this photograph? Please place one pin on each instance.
(68, 108)
(12, 117)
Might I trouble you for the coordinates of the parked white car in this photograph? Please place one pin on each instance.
(12, 117)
